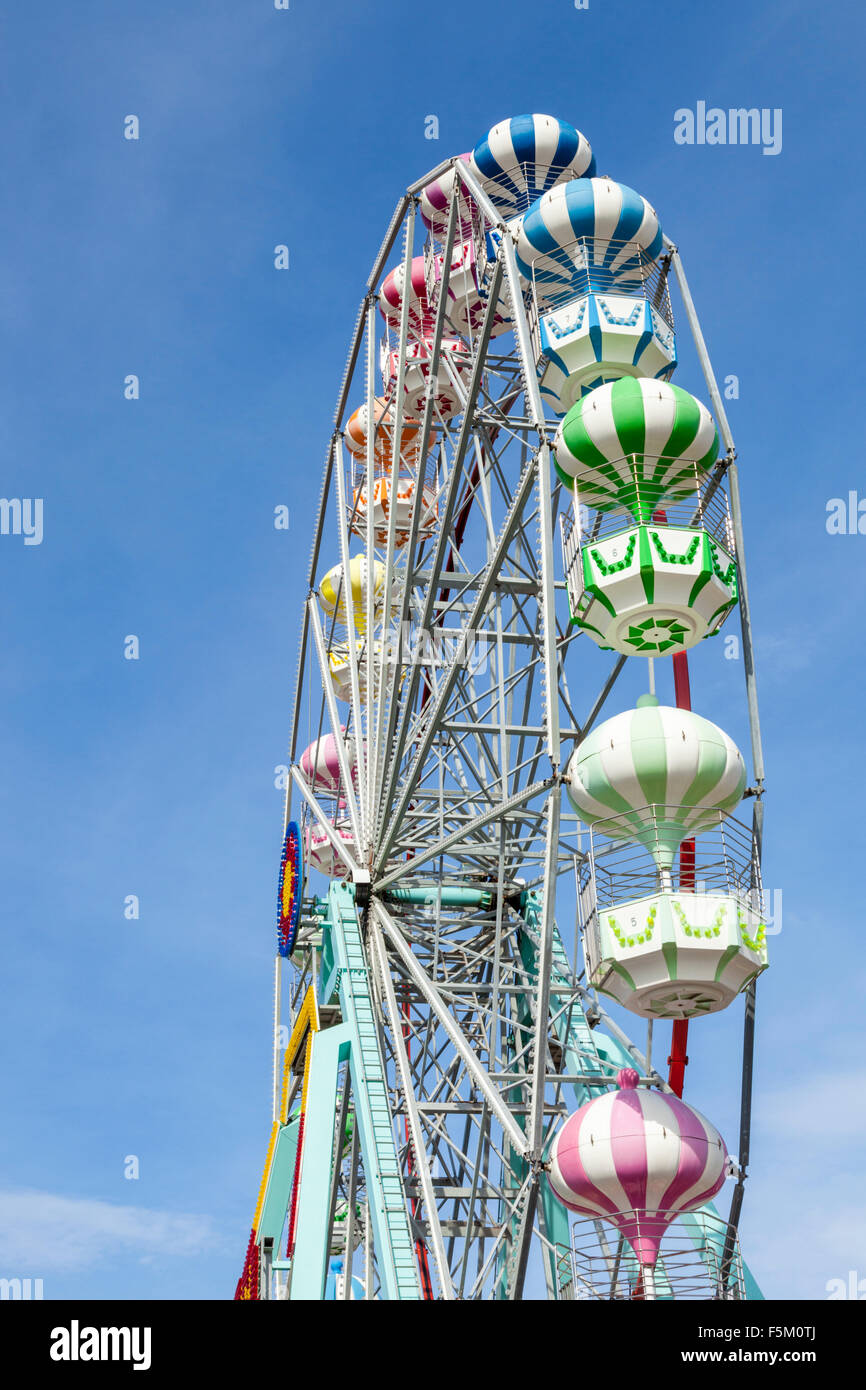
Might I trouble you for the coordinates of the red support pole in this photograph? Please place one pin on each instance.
(678, 1060)
(682, 689)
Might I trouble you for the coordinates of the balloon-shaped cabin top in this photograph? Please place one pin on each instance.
(657, 775)
(635, 443)
(637, 1158)
(421, 312)
(334, 593)
(588, 235)
(435, 200)
(519, 159)
(320, 762)
(384, 418)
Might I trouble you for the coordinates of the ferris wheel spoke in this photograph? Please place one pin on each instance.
(602, 697)
(461, 807)
(483, 594)
(542, 997)
(354, 680)
(466, 428)
(336, 726)
(496, 813)
(411, 719)
(447, 1022)
(419, 1150)
(463, 403)
(479, 197)
(370, 395)
(377, 735)
(458, 745)
(465, 823)
(512, 1207)
(334, 839)
(521, 334)
(425, 618)
(435, 1112)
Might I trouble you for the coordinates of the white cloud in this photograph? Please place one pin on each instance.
(816, 1108)
(784, 654)
(795, 1248)
(45, 1232)
(804, 1218)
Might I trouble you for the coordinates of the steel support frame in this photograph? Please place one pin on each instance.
(386, 943)
(754, 718)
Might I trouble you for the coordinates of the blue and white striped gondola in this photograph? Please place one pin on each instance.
(589, 234)
(588, 249)
(523, 157)
(600, 338)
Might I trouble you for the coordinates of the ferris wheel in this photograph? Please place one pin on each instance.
(516, 502)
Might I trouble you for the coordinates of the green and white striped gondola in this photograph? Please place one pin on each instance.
(646, 583)
(634, 444)
(657, 775)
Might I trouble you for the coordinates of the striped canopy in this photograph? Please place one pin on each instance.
(384, 415)
(655, 774)
(333, 598)
(589, 234)
(636, 1158)
(521, 158)
(635, 443)
(320, 762)
(421, 313)
(435, 201)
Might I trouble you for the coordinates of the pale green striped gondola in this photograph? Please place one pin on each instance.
(656, 775)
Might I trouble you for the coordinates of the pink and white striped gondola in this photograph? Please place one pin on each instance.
(637, 1159)
(320, 763)
(435, 202)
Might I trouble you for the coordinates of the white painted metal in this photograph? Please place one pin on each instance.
(459, 760)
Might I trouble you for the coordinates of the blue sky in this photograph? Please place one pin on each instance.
(155, 777)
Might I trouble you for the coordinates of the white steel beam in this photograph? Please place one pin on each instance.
(416, 1132)
(446, 1019)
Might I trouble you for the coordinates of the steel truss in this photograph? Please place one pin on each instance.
(464, 715)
